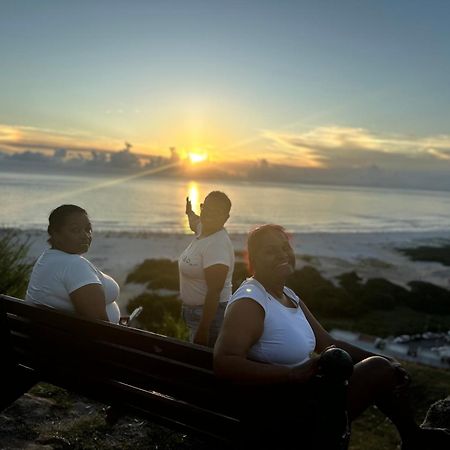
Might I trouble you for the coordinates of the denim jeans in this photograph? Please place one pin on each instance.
(192, 315)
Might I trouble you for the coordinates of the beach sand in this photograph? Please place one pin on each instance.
(370, 255)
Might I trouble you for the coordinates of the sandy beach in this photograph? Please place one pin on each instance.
(371, 255)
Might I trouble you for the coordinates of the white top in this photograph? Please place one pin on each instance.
(200, 254)
(57, 274)
(288, 338)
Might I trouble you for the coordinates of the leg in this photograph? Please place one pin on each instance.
(192, 316)
(373, 383)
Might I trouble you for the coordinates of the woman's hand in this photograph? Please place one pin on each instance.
(303, 372)
(188, 206)
(404, 380)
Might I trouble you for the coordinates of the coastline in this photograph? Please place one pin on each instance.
(370, 255)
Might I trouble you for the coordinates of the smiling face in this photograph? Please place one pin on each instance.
(74, 235)
(273, 257)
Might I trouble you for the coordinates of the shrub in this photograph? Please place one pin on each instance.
(383, 294)
(351, 282)
(306, 281)
(158, 273)
(14, 270)
(429, 298)
(160, 315)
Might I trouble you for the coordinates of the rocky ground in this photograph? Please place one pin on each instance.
(49, 418)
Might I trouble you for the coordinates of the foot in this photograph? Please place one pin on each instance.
(428, 439)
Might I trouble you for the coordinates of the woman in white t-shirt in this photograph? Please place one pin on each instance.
(268, 338)
(63, 279)
(206, 269)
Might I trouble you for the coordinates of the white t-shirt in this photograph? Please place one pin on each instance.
(200, 254)
(288, 338)
(57, 274)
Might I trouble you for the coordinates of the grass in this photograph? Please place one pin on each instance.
(60, 397)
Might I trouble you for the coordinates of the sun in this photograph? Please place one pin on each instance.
(195, 157)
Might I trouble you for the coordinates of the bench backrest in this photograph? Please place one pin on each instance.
(115, 364)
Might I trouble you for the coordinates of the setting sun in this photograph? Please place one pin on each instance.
(195, 158)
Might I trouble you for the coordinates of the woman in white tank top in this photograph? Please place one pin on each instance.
(270, 339)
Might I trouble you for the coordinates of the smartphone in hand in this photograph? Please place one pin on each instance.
(131, 319)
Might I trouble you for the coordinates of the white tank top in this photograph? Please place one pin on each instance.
(288, 338)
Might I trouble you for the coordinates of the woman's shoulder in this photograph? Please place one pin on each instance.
(220, 236)
(250, 288)
(63, 259)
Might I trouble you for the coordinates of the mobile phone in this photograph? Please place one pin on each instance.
(134, 315)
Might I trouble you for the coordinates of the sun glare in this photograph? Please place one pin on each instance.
(196, 158)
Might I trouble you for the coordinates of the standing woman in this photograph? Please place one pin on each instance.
(206, 269)
(63, 279)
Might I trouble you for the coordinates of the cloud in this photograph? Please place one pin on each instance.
(338, 147)
(19, 138)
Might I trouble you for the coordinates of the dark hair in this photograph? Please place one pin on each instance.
(221, 198)
(255, 237)
(58, 216)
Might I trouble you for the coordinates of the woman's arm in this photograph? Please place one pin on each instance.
(193, 218)
(89, 301)
(324, 339)
(215, 277)
(242, 328)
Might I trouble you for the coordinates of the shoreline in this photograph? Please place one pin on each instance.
(370, 255)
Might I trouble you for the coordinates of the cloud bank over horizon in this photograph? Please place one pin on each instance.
(323, 147)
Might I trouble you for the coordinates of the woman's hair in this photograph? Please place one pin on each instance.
(58, 216)
(255, 238)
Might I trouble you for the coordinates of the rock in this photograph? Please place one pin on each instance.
(438, 415)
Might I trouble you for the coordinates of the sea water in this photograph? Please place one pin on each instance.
(138, 204)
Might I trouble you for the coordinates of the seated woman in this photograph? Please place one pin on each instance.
(268, 339)
(65, 280)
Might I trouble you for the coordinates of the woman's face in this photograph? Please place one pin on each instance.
(212, 214)
(74, 236)
(275, 256)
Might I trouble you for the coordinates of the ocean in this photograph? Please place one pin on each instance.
(137, 204)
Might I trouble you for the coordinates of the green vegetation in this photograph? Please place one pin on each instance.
(14, 270)
(439, 254)
(58, 395)
(158, 273)
(377, 306)
(160, 315)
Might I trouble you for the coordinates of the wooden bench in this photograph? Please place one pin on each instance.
(159, 378)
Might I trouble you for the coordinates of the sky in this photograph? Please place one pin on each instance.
(323, 83)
